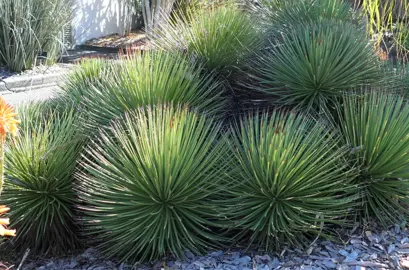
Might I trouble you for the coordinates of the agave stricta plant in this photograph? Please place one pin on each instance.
(315, 64)
(289, 180)
(376, 127)
(40, 164)
(221, 36)
(151, 184)
(142, 80)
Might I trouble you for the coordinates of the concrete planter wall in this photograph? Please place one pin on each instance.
(96, 18)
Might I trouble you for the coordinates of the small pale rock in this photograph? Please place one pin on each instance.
(72, 264)
(352, 256)
(391, 248)
(274, 264)
(404, 263)
(199, 264)
(235, 255)
(343, 252)
(395, 261)
(262, 259)
(403, 251)
(263, 267)
(242, 260)
(329, 264)
(343, 267)
(216, 253)
(356, 267)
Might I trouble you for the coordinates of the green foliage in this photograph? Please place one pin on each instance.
(220, 36)
(150, 185)
(286, 15)
(289, 180)
(183, 7)
(39, 168)
(29, 27)
(376, 128)
(106, 90)
(396, 77)
(315, 64)
(91, 72)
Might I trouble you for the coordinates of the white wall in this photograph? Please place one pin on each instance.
(97, 18)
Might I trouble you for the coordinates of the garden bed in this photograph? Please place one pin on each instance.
(169, 150)
(360, 251)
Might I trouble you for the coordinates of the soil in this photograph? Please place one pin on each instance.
(135, 40)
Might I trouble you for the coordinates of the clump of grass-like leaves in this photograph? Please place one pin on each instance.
(315, 63)
(376, 127)
(39, 169)
(90, 72)
(141, 80)
(221, 36)
(289, 180)
(31, 27)
(150, 183)
(287, 15)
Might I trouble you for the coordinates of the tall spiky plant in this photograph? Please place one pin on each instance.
(315, 64)
(142, 80)
(286, 15)
(376, 128)
(288, 181)
(221, 36)
(150, 184)
(40, 164)
(30, 27)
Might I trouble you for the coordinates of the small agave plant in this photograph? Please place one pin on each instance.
(8, 124)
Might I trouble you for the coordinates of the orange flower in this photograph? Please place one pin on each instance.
(5, 232)
(8, 122)
(3, 209)
(5, 221)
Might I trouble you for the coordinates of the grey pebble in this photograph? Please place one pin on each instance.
(329, 264)
(242, 260)
(235, 255)
(356, 267)
(387, 248)
(216, 253)
(263, 267)
(199, 264)
(343, 267)
(352, 257)
(343, 252)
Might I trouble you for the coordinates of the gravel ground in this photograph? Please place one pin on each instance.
(361, 251)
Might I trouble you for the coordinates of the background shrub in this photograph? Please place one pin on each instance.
(286, 15)
(30, 27)
(315, 64)
(150, 185)
(40, 163)
(141, 80)
(91, 72)
(288, 181)
(221, 36)
(376, 128)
